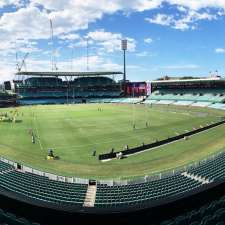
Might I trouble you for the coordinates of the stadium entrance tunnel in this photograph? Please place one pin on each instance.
(92, 182)
(19, 166)
(144, 147)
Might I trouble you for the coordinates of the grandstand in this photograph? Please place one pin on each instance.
(7, 99)
(189, 92)
(42, 188)
(71, 195)
(84, 86)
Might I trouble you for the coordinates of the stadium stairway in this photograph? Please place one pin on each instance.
(203, 180)
(213, 170)
(90, 196)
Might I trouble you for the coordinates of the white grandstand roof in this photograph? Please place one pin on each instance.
(68, 74)
(189, 80)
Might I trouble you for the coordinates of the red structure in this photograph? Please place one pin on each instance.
(136, 89)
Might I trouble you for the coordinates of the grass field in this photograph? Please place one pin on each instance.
(74, 131)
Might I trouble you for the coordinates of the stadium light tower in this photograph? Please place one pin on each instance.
(124, 48)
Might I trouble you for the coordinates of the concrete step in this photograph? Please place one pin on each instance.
(200, 179)
(90, 196)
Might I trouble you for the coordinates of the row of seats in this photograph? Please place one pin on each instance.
(115, 100)
(210, 214)
(5, 166)
(186, 103)
(77, 101)
(47, 101)
(212, 170)
(57, 82)
(41, 187)
(218, 106)
(65, 94)
(189, 95)
(44, 189)
(6, 96)
(135, 194)
(126, 195)
(7, 218)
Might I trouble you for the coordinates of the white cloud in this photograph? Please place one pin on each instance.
(181, 67)
(106, 6)
(29, 22)
(148, 40)
(69, 16)
(96, 63)
(110, 42)
(26, 23)
(142, 54)
(182, 9)
(69, 37)
(7, 70)
(198, 4)
(219, 50)
(4, 3)
(161, 19)
(183, 22)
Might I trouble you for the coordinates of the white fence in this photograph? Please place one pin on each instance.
(112, 182)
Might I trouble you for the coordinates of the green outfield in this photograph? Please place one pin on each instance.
(75, 131)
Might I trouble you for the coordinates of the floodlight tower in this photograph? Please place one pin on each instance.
(124, 49)
(87, 53)
(53, 58)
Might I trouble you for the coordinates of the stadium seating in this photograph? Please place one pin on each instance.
(126, 100)
(93, 81)
(5, 166)
(42, 188)
(210, 214)
(127, 195)
(83, 87)
(212, 170)
(164, 102)
(115, 100)
(7, 218)
(148, 101)
(46, 101)
(217, 106)
(70, 94)
(201, 104)
(7, 99)
(135, 194)
(184, 103)
(42, 82)
(193, 95)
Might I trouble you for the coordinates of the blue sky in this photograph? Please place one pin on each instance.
(165, 37)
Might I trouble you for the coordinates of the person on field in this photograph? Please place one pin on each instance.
(94, 153)
(33, 139)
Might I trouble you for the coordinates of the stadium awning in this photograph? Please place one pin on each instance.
(189, 80)
(68, 74)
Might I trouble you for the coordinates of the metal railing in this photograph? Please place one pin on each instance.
(121, 181)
